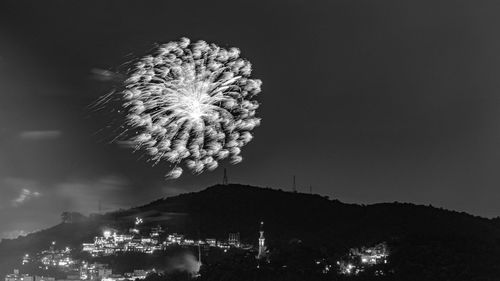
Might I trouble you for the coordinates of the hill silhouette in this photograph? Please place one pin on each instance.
(426, 243)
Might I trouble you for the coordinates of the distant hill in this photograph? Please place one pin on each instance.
(424, 241)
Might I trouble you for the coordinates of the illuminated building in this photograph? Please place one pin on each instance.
(188, 242)
(175, 238)
(146, 240)
(262, 243)
(234, 240)
(347, 268)
(60, 259)
(156, 231)
(374, 255)
(122, 237)
(139, 274)
(111, 242)
(16, 276)
(25, 277)
(212, 242)
(94, 271)
(359, 259)
(222, 245)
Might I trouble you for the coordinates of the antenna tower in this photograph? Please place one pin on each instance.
(224, 179)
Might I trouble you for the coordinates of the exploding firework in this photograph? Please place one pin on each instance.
(190, 104)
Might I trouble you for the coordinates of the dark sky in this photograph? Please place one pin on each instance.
(367, 101)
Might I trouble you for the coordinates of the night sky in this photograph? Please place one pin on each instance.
(365, 101)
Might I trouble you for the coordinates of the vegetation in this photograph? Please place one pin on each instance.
(426, 243)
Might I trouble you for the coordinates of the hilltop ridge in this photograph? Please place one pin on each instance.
(418, 235)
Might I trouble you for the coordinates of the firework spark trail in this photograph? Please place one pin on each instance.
(191, 104)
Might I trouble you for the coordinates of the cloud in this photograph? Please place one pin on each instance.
(12, 234)
(85, 195)
(28, 204)
(40, 135)
(24, 196)
(16, 191)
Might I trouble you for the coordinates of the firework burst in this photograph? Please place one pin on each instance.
(190, 104)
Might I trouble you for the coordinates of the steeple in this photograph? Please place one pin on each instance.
(262, 242)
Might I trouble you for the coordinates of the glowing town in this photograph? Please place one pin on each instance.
(112, 243)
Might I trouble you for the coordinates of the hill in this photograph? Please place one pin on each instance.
(426, 243)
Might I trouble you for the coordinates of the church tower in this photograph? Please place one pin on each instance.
(262, 242)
